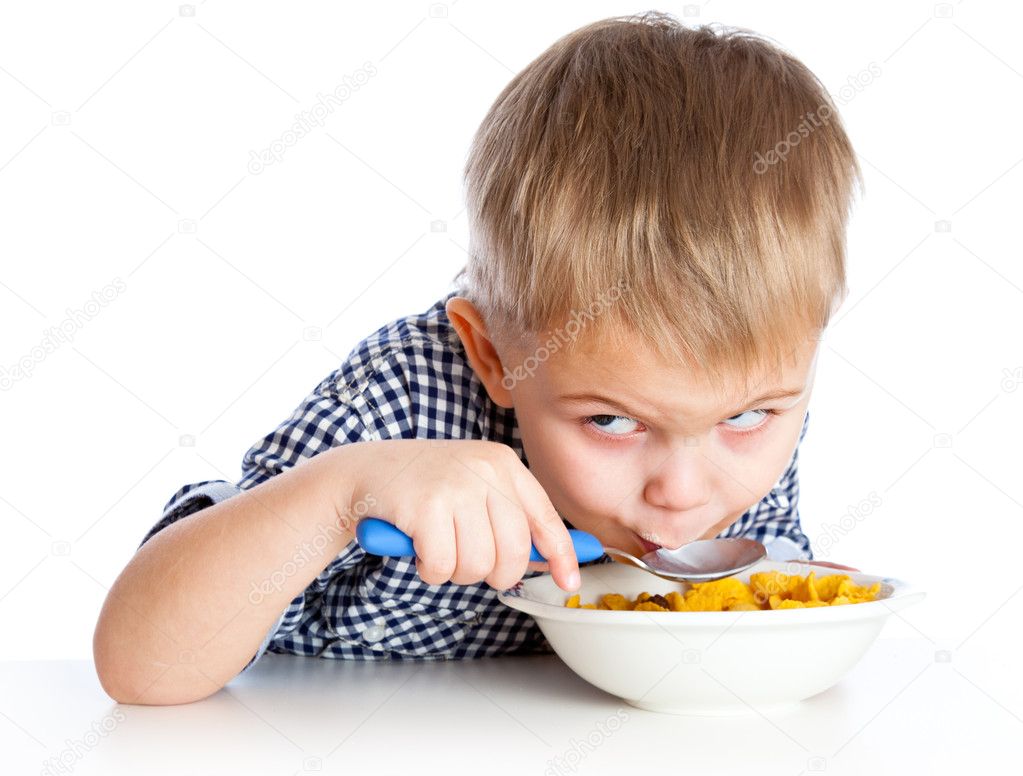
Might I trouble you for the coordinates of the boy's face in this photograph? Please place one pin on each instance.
(629, 447)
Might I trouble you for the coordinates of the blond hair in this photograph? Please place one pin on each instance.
(638, 153)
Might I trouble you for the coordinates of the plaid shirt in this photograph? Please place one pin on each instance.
(411, 379)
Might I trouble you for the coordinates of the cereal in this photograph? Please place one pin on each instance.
(766, 590)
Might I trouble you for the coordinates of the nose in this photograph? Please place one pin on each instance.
(682, 483)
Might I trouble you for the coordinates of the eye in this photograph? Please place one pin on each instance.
(744, 421)
(614, 425)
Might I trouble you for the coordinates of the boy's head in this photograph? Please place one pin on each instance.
(657, 216)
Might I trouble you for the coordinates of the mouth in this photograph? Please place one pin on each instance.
(647, 546)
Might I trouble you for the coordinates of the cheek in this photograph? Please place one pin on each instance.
(740, 486)
(755, 464)
(582, 475)
(578, 476)
(751, 483)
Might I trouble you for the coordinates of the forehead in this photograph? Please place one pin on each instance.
(637, 375)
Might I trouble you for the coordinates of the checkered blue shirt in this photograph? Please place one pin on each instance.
(411, 379)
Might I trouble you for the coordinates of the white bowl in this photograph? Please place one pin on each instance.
(705, 662)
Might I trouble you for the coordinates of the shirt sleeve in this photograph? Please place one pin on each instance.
(327, 417)
(774, 520)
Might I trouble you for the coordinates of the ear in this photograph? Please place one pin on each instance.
(483, 356)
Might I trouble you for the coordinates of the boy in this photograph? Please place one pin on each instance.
(657, 220)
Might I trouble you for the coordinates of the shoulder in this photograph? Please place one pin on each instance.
(424, 345)
(412, 378)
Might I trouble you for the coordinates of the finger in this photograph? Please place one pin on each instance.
(549, 533)
(537, 565)
(433, 539)
(474, 540)
(512, 541)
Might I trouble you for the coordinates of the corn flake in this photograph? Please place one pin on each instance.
(766, 590)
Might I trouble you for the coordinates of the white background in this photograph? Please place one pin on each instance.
(126, 134)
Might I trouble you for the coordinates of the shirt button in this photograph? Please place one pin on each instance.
(374, 633)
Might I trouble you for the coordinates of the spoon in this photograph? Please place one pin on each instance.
(700, 561)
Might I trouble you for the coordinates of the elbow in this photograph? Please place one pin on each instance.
(128, 679)
(142, 689)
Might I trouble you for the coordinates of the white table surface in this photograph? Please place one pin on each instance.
(905, 708)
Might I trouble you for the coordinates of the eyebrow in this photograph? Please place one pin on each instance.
(781, 393)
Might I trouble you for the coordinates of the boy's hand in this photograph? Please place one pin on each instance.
(470, 506)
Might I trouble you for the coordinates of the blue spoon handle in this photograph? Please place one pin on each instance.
(378, 537)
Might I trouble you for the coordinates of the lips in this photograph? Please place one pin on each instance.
(648, 546)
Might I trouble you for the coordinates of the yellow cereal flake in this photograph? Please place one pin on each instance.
(676, 600)
(805, 590)
(767, 583)
(649, 606)
(828, 588)
(766, 590)
(615, 601)
(717, 596)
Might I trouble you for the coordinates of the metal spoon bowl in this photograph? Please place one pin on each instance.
(700, 561)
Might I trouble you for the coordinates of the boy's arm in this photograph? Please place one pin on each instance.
(181, 619)
(215, 579)
(193, 497)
